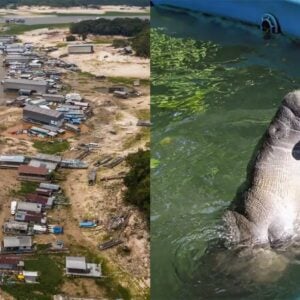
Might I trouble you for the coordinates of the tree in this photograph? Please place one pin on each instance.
(70, 38)
(141, 43)
(137, 180)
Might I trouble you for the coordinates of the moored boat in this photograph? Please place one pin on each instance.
(281, 16)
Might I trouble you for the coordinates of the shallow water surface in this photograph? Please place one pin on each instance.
(216, 86)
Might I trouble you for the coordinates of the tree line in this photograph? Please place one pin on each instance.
(137, 180)
(119, 26)
(135, 28)
(69, 3)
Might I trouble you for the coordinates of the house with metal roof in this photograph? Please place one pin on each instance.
(50, 166)
(50, 186)
(44, 116)
(39, 86)
(46, 202)
(30, 276)
(13, 58)
(48, 157)
(29, 173)
(54, 98)
(9, 263)
(80, 49)
(30, 207)
(17, 244)
(11, 161)
(30, 217)
(77, 266)
(14, 227)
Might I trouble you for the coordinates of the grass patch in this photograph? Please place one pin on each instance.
(143, 114)
(86, 75)
(127, 81)
(99, 40)
(52, 147)
(119, 13)
(142, 135)
(61, 45)
(110, 282)
(51, 277)
(25, 188)
(15, 29)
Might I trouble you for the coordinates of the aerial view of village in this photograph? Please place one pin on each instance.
(74, 149)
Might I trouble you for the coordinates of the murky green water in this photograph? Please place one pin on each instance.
(216, 86)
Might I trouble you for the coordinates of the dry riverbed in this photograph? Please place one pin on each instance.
(113, 126)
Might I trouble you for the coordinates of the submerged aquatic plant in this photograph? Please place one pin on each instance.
(181, 73)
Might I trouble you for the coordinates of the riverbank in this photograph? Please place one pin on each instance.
(113, 127)
(105, 61)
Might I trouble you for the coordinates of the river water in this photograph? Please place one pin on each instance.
(215, 88)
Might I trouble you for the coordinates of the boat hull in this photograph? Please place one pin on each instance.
(286, 12)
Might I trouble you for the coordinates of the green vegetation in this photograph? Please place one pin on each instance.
(16, 29)
(143, 114)
(126, 80)
(137, 180)
(142, 135)
(120, 43)
(25, 188)
(136, 28)
(50, 269)
(182, 76)
(86, 75)
(120, 13)
(141, 43)
(117, 26)
(71, 38)
(61, 45)
(69, 3)
(52, 147)
(100, 40)
(110, 281)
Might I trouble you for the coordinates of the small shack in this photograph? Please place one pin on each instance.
(9, 263)
(30, 276)
(44, 116)
(29, 173)
(14, 227)
(49, 186)
(77, 266)
(54, 98)
(29, 207)
(81, 49)
(39, 86)
(11, 161)
(30, 217)
(17, 244)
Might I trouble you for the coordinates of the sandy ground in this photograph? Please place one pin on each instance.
(28, 11)
(113, 126)
(105, 61)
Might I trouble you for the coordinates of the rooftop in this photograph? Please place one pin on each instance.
(48, 157)
(12, 158)
(29, 170)
(49, 186)
(81, 45)
(28, 206)
(26, 81)
(48, 112)
(73, 262)
(17, 241)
